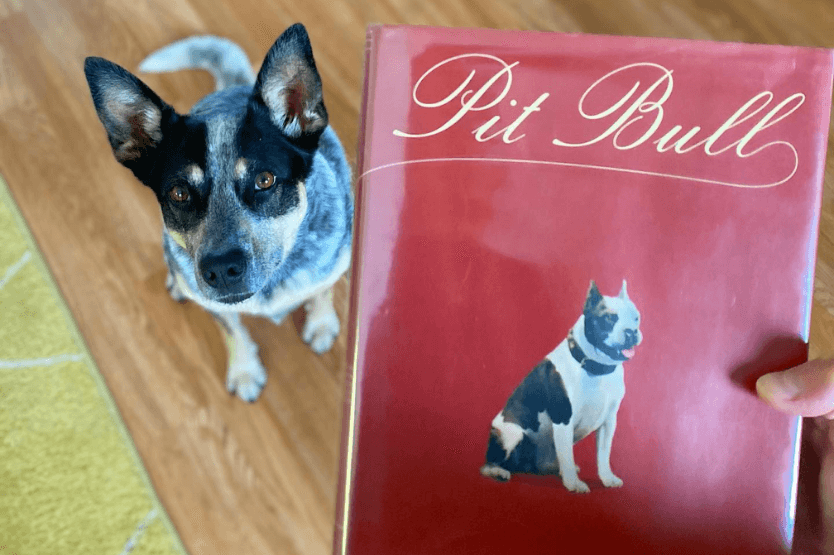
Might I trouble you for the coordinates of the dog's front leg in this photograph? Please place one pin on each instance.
(604, 437)
(322, 325)
(245, 375)
(563, 441)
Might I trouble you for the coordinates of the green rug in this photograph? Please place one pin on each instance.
(71, 481)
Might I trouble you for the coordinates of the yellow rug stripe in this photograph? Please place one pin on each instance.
(71, 481)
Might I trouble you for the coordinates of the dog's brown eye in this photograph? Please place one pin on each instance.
(178, 194)
(265, 180)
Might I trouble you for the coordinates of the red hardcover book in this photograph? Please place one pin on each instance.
(574, 256)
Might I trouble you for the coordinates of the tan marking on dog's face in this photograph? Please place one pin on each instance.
(194, 174)
(241, 166)
(178, 238)
(190, 240)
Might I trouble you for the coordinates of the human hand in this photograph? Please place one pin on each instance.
(808, 390)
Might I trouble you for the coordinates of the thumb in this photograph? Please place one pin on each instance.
(805, 390)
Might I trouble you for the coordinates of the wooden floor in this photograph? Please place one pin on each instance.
(238, 478)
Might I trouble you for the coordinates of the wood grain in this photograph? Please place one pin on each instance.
(260, 478)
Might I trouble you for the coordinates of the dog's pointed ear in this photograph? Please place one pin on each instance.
(623, 292)
(289, 85)
(132, 114)
(594, 297)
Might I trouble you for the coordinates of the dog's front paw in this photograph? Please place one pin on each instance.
(246, 379)
(321, 330)
(495, 472)
(577, 486)
(611, 481)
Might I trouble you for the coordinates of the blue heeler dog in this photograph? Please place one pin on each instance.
(253, 185)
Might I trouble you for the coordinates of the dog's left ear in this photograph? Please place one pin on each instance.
(623, 292)
(289, 85)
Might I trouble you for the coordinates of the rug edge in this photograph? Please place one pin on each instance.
(7, 197)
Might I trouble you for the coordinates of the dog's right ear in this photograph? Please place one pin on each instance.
(132, 114)
(593, 299)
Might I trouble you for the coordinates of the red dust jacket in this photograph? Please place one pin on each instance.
(574, 256)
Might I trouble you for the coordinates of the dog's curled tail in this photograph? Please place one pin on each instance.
(225, 60)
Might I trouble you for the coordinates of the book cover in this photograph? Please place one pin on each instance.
(574, 255)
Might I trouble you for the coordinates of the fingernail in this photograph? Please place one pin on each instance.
(777, 386)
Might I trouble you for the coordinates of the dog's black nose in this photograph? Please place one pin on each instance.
(225, 269)
(630, 337)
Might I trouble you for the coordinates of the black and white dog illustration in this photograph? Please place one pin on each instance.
(253, 185)
(577, 389)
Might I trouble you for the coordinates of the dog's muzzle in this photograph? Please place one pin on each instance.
(226, 274)
(632, 339)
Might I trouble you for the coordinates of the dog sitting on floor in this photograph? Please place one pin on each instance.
(253, 185)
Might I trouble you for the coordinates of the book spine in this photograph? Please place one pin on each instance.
(819, 183)
(351, 396)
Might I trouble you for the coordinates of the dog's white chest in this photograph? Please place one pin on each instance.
(592, 398)
(596, 399)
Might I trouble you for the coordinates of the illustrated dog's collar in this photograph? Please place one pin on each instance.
(591, 366)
